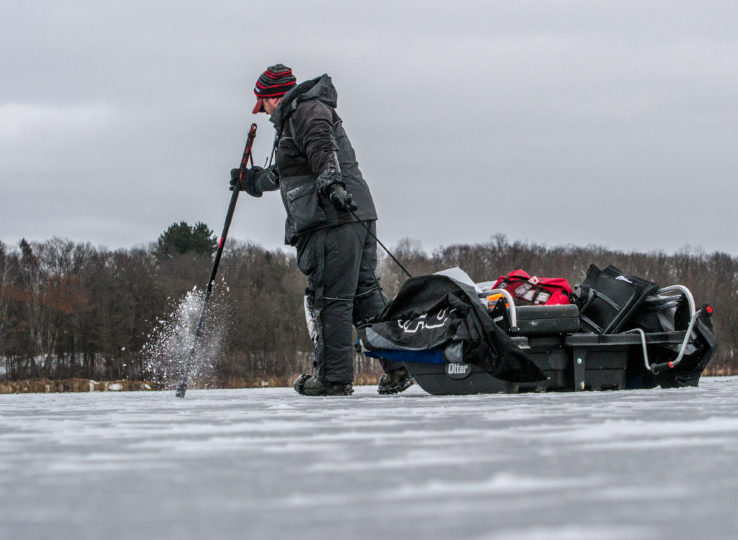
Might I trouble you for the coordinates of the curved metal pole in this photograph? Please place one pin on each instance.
(693, 315)
(511, 309)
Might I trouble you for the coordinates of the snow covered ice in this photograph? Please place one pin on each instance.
(267, 463)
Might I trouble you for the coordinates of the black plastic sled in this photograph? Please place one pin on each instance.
(622, 333)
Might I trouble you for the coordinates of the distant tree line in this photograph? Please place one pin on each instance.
(74, 310)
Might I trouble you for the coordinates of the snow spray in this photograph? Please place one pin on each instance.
(169, 343)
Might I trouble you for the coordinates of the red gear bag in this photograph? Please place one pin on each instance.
(526, 289)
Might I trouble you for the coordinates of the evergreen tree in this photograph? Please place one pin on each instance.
(181, 238)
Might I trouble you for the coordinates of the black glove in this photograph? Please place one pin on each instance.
(236, 179)
(242, 182)
(340, 198)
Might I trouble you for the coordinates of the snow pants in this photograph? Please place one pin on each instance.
(342, 291)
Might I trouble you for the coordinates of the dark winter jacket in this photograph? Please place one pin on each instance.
(312, 151)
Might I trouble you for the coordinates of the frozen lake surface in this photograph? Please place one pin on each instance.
(268, 463)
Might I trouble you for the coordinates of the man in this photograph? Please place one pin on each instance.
(330, 220)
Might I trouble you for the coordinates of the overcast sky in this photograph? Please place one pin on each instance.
(556, 122)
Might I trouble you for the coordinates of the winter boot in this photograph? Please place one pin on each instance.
(395, 382)
(309, 385)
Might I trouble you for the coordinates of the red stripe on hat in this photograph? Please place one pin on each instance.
(265, 86)
(274, 75)
(273, 85)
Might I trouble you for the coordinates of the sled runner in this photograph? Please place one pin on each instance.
(622, 332)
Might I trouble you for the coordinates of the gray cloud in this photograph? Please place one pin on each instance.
(555, 122)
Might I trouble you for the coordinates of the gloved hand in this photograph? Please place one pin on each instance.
(247, 179)
(236, 179)
(340, 198)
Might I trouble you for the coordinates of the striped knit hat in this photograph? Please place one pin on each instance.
(276, 81)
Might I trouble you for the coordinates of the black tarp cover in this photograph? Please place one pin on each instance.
(435, 311)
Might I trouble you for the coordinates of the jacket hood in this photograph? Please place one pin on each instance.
(320, 88)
